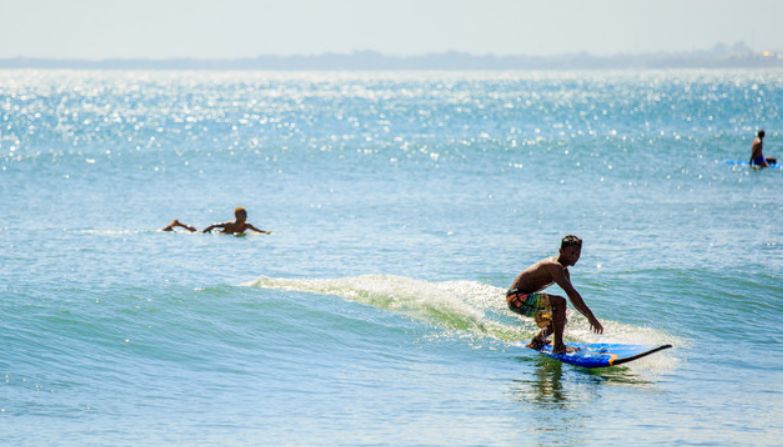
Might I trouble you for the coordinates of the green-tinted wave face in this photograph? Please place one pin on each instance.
(470, 307)
(454, 305)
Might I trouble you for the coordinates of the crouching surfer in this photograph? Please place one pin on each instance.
(549, 311)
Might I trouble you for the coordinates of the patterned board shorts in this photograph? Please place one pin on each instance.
(535, 305)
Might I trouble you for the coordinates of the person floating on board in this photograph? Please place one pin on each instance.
(757, 155)
(549, 311)
(238, 226)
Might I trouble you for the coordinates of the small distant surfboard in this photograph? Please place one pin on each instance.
(748, 165)
(600, 355)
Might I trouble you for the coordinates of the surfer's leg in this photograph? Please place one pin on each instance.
(176, 223)
(558, 304)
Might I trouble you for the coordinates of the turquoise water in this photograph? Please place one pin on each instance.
(401, 205)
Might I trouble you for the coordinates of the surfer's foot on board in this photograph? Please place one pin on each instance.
(564, 349)
(538, 344)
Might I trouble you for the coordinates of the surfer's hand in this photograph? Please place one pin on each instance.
(596, 326)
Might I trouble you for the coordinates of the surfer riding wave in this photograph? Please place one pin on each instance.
(549, 311)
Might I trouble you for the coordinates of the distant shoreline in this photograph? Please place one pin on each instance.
(737, 56)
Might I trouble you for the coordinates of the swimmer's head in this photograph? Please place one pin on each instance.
(240, 213)
(570, 249)
(760, 133)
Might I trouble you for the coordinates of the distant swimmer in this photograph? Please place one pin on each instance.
(238, 226)
(757, 152)
(549, 311)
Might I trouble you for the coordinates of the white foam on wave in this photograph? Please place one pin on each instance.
(468, 306)
(454, 304)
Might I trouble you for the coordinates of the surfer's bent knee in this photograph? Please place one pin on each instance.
(558, 302)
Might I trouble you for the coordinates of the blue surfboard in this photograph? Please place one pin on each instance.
(600, 355)
(746, 164)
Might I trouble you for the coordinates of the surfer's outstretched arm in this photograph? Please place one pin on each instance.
(213, 226)
(258, 230)
(562, 280)
(176, 223)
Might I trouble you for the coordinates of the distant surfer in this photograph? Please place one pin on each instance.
(549, 311)
(757, 152)
(238, 226)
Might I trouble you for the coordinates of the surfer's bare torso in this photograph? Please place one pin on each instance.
(540, 275)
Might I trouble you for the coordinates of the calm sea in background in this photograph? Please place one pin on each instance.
(401, 205)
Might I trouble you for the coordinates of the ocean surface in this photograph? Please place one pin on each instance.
(401, 207)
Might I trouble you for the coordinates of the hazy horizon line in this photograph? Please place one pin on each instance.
(720, 55)
(722, 46)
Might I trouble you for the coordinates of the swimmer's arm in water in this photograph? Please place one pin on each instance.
(213, 226)
(562, 278)
(258, 230)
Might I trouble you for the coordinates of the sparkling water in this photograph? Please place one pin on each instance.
(401, 207)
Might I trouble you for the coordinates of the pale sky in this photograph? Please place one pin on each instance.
(96, 29)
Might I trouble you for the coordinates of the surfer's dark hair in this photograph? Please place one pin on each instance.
(760, 133)
(570, 241)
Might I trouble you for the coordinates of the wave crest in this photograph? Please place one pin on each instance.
(470, 306)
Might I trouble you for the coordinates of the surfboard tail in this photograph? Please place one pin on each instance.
(638, 356)
(602, 355)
